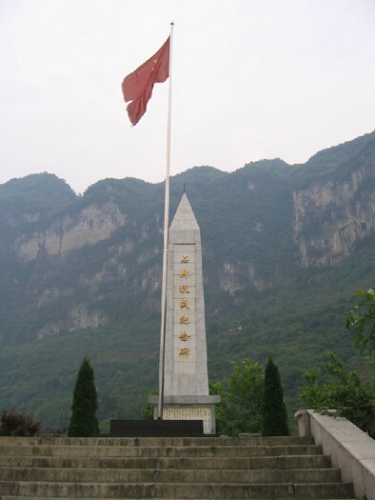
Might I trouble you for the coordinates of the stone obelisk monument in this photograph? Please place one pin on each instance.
(186, 395)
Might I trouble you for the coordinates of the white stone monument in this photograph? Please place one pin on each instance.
(186, 395)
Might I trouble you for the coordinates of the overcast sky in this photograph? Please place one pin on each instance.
(252, 79)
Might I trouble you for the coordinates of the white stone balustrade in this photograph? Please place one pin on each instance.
(350, 449)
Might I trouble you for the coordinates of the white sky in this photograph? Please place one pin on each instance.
(252, 79)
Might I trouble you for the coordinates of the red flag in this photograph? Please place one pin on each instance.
(137, 87)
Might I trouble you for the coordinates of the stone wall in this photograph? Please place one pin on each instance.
(350, 449)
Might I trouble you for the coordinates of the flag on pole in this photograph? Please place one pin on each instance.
(137, 87)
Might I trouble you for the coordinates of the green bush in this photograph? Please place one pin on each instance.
(148, 409)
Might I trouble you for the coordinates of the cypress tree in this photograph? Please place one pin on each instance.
(274, 414)
(83, 422)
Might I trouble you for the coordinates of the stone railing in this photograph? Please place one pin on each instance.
(350, 449)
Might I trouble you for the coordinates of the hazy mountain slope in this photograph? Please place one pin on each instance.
(284, 249)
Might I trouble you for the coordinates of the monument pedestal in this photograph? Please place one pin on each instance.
(189, 408)
(156, 428)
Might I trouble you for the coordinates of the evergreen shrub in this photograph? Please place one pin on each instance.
(83, 422)
(274, 414)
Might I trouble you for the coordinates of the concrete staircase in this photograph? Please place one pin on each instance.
(167, 468)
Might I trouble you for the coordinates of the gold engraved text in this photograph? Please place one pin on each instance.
(184, 336)
(185, 259)
(184, 352)
(184, 320)
(184, 273)
(184, 289)
(183, 303)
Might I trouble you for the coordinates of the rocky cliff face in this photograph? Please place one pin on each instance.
(78, 318)
(332, 214)
(100, 261)
(91, 225)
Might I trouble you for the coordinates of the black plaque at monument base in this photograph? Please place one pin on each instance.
(156, 428)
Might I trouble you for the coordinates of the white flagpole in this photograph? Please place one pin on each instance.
(165, 252)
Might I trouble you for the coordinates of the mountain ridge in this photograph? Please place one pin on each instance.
(82, 274)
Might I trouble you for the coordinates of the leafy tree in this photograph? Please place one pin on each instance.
(83, 422)
(274, 414)
(352, 397)
(362, 318)
(350, 394)
(225, 418)
(245, 394)
(312, 393)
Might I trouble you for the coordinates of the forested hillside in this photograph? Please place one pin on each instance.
(284, 250)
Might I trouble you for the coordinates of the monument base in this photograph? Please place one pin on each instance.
(189, 408)
(156, 428)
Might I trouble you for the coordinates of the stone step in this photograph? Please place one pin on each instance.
(9, 497)
(176, 490)
(167, 468)
(281, 462)
(157, 451)
(157, 441)
(188, 476)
